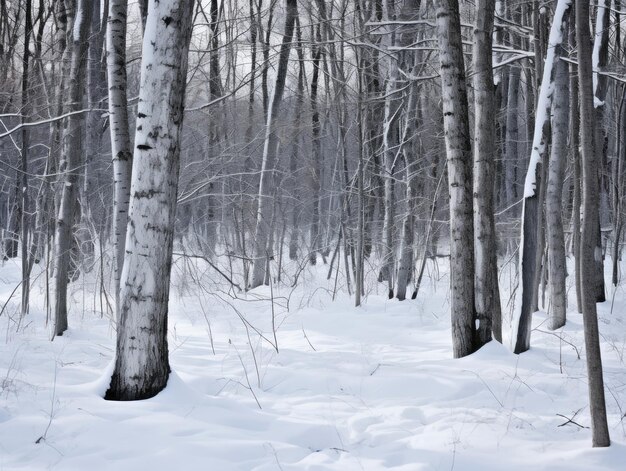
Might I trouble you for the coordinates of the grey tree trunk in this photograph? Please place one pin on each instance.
(618, 186)
(70, 165)
(459, 158)
(317, 158)
(575, 162)
(599, 61)
(141, 365)
(406, 261)
(95, 93)
(486, 288)
(554, 192)
(25, 203)
(531, 245)
(512, 157)
(589, 250)
(262, 247)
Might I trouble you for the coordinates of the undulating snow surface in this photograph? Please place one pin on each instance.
(371, 388)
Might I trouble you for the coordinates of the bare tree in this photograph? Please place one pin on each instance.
(459, 158)
(142, 365)
(118, 126)
(70, 164)
(264, 229)
(589, 250)
(530, 243)
(554, 189)
(486, 279)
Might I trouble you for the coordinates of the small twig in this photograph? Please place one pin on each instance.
(307, 339)
(54, 390)
(245, 371)
(571, 420)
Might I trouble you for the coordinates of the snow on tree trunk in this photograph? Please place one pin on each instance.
(120, 139)
(70, 165)
(554, 192)
(262, 246)
(141, 366)
(459, 159)
(532, 208)
(589, 250)
(486, 275)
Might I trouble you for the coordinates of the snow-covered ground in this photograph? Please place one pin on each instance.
(370, 388)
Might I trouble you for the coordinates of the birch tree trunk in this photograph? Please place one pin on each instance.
(487, 293)
(120, 138)
(589, 249)
(262, 247)
(70, 165)
(554, 191)
(459, 158)
(142, 366)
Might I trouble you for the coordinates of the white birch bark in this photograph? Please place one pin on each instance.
(486, 265)
(141, 366)
(118, 126)
(459, 159)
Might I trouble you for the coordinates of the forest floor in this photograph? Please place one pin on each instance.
(369, 388)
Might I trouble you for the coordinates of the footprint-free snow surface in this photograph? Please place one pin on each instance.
(330, 387)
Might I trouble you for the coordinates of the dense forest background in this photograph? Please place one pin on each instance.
(264, 137)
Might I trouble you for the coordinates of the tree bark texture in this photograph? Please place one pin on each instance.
(120, 138)
(71, 160)
(486, 288)
(459, 159)
(142, 366)
(554, 192)
(589, 249)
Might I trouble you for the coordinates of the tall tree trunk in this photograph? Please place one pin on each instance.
(589, 249)
(532, 210)
(25, 206)
(618, 185)
(262, 247)
(554, 191)
(95, 92)
(599, 59)
(459, 158)
(486, 288)
(316, 144)
(141, 365)
(70, 165)
(120, 138)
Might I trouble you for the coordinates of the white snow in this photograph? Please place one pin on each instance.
(371, 388)
(597, 43)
